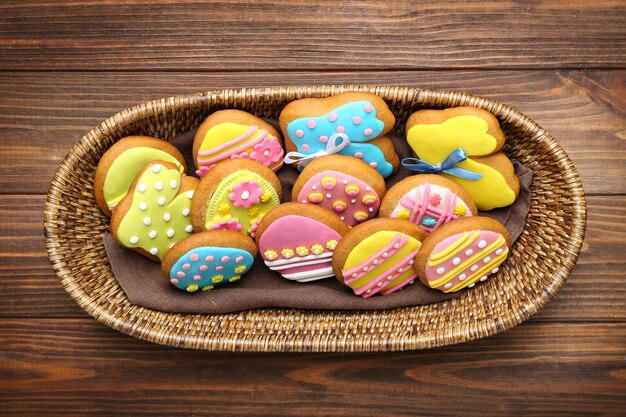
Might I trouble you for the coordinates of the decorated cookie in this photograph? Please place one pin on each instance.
(463, 144)
(236, 134)
(235, 195)
(350, 123)
(377, 257)
(427, 200)
(122, 162)
(297, 241)
(209, 259)
(155, 214)
(461, 253)
(344, 185)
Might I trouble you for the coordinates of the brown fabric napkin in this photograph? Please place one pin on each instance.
(143, 283)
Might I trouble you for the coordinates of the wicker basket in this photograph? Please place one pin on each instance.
(537, 268)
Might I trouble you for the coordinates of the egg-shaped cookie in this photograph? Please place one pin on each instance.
(427, 200)
(343, 185)
(120, 164)
(235, 195)
(297, 240)
(236, 134)
(461, 253)
(207, 260)
(377, 257)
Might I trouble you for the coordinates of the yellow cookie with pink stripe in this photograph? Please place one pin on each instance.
(462, 253)
(377, 257)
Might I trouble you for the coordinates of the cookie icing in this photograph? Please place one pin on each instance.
(430, 206)
(350, 198)
(233, 140)
(462, 259)
(126, 166)
(158, 217)
(434, 142)
(206, 267)
(303, 256)
(357, 120)
(240, 201)
(381, 263)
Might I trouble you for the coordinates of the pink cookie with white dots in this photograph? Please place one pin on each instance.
(346, 186)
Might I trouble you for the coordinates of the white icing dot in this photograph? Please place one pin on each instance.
(141, 187)
(499, 251)
(167, 217)
(156, 167)
(390, 277)
(134, 239)
(245, 195)
(411, 262)
(343, 218)
(486, 259)
(375, 262)
(304, 201)
(462, 277)
(328, 195)
(368, 188)
(371, 210)
(158, 185)
(483, 278)
(314, 187)
(456, 261)
(190, 193)
(143, 206)
(440, 270)
(482, 244)
(400, 270)
(364, 269)
(411, 282)
(380, 284)
(147, 221)
(345, 181)
(152, 234)
(173, 184)
(385, 255)
(474, 268)
(494, 270)
(354, 275)
(353, 200)
(396, 246)
(186, 211)
(469, 252)
(266, 153)
(170, 232)
(161, 201)
(154, 251)
(189, 228)
(448, 285)
(369, 291)
(471, 285)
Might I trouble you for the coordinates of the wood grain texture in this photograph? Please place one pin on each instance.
(79, 367)
(44, 114)
(594, 292)
(323, 34)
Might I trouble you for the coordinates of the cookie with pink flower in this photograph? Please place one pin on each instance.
(236, 134)
(235, 195)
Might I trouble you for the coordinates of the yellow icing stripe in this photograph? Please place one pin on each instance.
(470, 261)
(436, 258)
(476, 276)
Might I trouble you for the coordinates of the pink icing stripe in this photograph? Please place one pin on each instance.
(348, 278)
(232, 151)
(445, 211)
(404, 262)
(417, 215)
(400, 285)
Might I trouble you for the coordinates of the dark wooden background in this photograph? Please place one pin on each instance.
(65, 66)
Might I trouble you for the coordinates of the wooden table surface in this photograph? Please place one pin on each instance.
(65, 66)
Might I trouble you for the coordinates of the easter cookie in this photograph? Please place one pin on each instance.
(434, 135)
(236, 134)
(377, 257)
(427, 200)
(297, 241)
(360, 119)
(235, 195)
(342, 184)
(207, 260)
(155, 213)
(461, 253)
(122, 162)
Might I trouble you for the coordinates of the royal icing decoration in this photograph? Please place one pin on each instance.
(299, 248)
(158, 217)
(233, 140)
(434, 142)
(126, 166)
(429, 206)
(240, 201)
(350, 198)
(461, 260)
(204, 268)
(357, 120)
(381, 263)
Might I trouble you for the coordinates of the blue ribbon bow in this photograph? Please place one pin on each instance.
(448, 166)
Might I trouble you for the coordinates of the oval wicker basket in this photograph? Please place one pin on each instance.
(537, 268)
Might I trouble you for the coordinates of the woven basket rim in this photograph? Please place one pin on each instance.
(450, 336)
